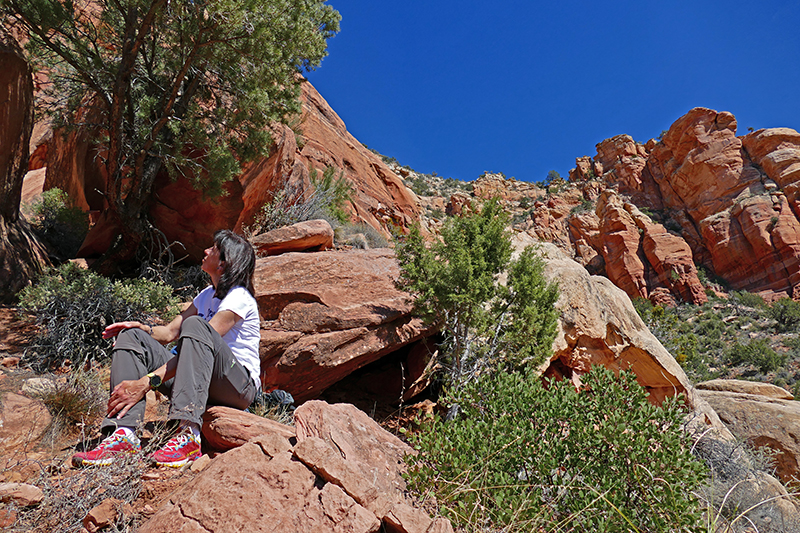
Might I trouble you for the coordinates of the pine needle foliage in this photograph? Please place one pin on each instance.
(524, 455)
(486, 325)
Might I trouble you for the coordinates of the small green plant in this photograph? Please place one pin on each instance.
(336, 190)
(523, 455)
(59, 222)
(583, 207)
(756, 352)
(747, 299)
(72, 306)
(786, 313)
(290, 206)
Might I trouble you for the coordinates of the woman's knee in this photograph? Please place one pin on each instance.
(194, 323)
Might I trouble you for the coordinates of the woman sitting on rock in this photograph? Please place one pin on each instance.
(217, 361)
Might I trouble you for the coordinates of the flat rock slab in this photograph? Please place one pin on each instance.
(359, 440)
(244, 490)
(225, 428)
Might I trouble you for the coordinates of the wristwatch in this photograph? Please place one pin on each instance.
(155, 380)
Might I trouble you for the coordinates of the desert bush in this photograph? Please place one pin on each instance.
(59, 222)
(352, 233)
(72, 306)
(486, 326)
(68, 499)
(524, 455)
(77, 401)
(290, 206)
(747, 299)
(757, 352)
(786, 313)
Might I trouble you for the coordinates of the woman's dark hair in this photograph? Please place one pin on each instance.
(240, 263)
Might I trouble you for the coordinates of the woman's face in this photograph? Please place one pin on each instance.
(211, 263)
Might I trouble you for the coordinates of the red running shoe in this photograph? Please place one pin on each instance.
(111, 447)
(179, 450)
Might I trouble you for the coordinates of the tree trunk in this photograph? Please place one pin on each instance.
(22, 257)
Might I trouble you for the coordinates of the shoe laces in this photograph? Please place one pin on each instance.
(179, 440)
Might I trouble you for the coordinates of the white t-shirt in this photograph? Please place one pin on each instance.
(245, 335)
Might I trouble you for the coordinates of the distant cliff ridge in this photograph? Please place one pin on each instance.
(647, 216)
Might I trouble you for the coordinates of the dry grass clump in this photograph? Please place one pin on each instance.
(70, 496)
(75, 402)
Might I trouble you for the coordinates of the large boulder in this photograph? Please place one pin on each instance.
(375, 454)
(599, 326)
(327, 314)
(342, 475)
(309, 235)
(763, 420)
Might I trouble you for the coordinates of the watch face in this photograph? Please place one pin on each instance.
(155, 382)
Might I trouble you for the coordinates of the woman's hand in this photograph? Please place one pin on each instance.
(126, 395)
(114, 329)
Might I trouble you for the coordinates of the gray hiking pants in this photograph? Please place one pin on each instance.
(207, 372)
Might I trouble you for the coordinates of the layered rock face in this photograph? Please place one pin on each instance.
(732, 205)
(763, 415)
(184, 215)
(326, 314)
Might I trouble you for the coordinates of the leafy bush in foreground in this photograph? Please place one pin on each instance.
(525, 456)
(72, 306)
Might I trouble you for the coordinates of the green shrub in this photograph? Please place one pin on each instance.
(747, 299)
(59, 222)
(757, 352)
(486, 326)
(786, 313)
(525, 456)
(290, 206)
(72, 306)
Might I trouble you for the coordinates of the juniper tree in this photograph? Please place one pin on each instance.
(188, 85)
(486, 325)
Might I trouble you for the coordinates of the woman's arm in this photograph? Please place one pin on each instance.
(223, 321)
(163, 334)
(128, 393)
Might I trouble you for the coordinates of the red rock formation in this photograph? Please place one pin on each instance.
(736, 200)
(342, 472)
(380, 198)
(310, 235)
(327, 314)
(620, 249)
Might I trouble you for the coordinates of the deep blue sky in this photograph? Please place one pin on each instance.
(523, 87)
